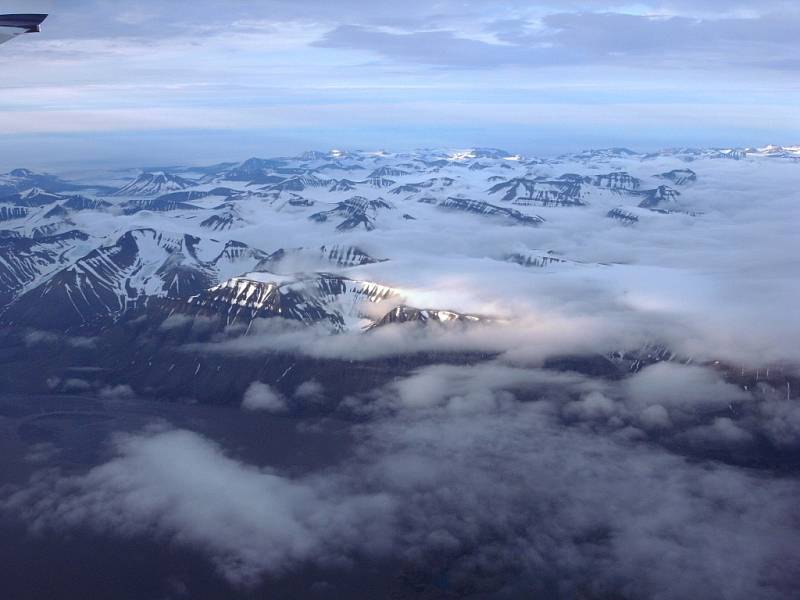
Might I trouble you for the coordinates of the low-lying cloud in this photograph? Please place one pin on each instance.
(262, 397)
(471, 472)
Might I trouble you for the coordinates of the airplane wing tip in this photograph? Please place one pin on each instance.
(16, 24)
(29, 22)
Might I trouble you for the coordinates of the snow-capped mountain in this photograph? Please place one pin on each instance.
(479, 207)
(357, 211)
(478, 153)
(154, 184)
(123, 276)
(337, 302)
(71, 260)
(32, 198)
(226, 216)
(20, 180)
(299, 183)
(565, 191)
(25, 261)
(8, 213)
(372, 247)
(625, 216)
(619, 181)
(249, 170)
(407, 314)
(659, 197)
(316, 259)
(534, 259)
(165, 203)
(83, 203)
(679, 176)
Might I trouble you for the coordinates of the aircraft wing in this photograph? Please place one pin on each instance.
(14, 25)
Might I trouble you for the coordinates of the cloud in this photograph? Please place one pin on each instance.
(185, 488)
(34, 337)
(434, 47)
(273, 66)
(75, 385)
(262, 397)
(722, 431)
(779, 419)
(570, 510)
(683, 392)
(310, 391)
(525, 341)
(117, 392)
(589, 38)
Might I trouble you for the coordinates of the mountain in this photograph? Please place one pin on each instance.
(8, 213)
(53, 227)
(154, 184)
(692, 154)
(484, 208)
(32, 198)
(83, 203)
(658, 197)
(433, 184)
(478, 153)
(25, 260)
(20, 180)
(379, 182)
(165, 203)
(775, 151)
(250, 170)
(407, 314)
(353, 243)
(541, 192)
(347, 256)
(617, 181)
(339, 166)
(314, 259)
(356, 212)
(313, 155)
(336, 302)
(538, 260)
(226, 217)
(679, 176)
(343, 185)
(74, 259)
(300, 183)
(58, 211)
(623, 215)
(265, 179)
(123, 276)
(386, 172)
(601, 154)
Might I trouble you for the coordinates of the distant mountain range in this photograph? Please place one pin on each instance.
(318, 240)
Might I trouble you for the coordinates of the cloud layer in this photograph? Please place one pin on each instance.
(463, 478)
(266, 72)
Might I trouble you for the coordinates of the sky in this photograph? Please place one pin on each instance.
(203, 81)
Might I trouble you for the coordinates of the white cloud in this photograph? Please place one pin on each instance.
(565, 504)
(262, 397)
(117, 392)
(311, 391)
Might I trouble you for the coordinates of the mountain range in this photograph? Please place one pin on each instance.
(323, 240)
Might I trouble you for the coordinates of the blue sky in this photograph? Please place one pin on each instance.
(179, 81)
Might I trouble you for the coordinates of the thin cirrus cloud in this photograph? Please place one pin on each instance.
(262, 71)
(589, 38)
